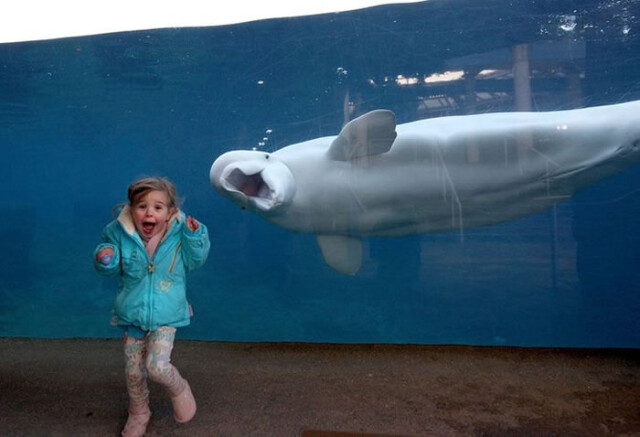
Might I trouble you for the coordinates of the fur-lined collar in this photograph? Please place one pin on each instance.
(126, 219)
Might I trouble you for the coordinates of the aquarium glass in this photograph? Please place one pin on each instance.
(82, 117)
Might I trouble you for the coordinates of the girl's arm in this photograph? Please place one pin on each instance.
(195, 246)
(106, 256)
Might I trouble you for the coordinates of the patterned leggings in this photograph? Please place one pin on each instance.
(151, 356)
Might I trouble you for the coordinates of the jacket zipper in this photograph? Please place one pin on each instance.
(151, 268)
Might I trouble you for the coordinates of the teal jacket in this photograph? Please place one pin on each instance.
(152, 292)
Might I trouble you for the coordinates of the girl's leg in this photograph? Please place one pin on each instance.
(160, 369)
(135, 372)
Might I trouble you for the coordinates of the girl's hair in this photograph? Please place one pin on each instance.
(141, 187)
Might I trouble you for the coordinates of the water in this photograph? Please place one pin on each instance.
(80, 118)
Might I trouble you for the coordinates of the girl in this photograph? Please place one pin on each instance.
(151, 246)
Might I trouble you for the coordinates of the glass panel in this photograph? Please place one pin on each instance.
(528, 237)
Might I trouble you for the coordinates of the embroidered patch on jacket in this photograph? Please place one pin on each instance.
(164, 286)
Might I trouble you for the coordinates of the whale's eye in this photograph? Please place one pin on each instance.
(266, 156)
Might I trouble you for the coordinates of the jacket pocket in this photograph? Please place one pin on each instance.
(134, 264)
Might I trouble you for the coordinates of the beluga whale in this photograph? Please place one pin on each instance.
(379, 179)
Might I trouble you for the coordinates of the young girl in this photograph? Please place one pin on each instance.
(151, 246)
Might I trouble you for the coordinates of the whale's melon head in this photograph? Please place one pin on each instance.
(253, 180)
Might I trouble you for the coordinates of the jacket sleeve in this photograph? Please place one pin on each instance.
(108, 240)
(195, 246)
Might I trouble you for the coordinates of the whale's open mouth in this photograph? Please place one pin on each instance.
(250, 185)
(253, 180)
(253, 186)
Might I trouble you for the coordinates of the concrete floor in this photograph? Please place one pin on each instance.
(76, 387)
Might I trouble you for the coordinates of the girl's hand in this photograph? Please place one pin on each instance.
(192, 224)
(104, 255)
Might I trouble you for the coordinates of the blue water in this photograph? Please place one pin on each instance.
(80, 118)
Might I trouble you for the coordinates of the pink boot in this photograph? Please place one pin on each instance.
(184, 404)
(139, 416)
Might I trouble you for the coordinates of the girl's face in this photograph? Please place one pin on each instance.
(151, 214)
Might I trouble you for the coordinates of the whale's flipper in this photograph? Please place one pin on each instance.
(341, 252)
(370, 134)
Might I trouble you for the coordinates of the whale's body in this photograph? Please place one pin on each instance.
(379, 179)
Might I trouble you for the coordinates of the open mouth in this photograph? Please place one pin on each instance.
(253, 180)
(253, 186)
(148, 227)
(249, 185)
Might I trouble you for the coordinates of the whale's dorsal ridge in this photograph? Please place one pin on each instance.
(341, 252)
(370, 134)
